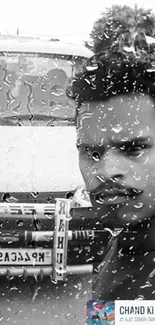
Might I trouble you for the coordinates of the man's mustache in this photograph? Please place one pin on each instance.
(110, 187)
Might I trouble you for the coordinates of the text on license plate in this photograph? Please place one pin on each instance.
(25, 256)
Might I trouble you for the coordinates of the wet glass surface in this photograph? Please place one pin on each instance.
(39, 162)
(33, 89)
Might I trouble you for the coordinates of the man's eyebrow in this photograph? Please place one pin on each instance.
(82, 144)
(88, 145)
(137, 140)
(128, 142)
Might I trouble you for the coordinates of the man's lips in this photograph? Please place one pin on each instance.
(115, 194)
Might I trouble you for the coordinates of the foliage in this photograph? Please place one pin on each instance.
(120, 21)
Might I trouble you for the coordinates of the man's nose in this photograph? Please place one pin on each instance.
(111, 166)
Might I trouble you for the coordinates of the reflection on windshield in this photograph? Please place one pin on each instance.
(33, 89)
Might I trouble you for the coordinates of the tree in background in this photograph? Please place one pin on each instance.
(121, 22)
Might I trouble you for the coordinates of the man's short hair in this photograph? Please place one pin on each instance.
(110, 74)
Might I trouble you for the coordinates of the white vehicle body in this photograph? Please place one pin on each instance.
(38, 149)
(39, 163)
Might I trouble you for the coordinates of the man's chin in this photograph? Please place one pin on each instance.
(128, 219)
(119, 215)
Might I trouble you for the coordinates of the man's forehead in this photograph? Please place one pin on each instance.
(125, 108)
(121, 118)
(84, 141)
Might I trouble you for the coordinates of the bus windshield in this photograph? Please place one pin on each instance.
(33, 88)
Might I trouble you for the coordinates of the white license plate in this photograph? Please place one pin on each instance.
(25, 256)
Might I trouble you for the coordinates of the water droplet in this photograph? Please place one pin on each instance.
(43, 87)
(146, 285)
(49, 216)
(114, 232)
(1, 112)
(57, 90)
(136, 122)
(117, 128)
(114, 271)
(120, 253)
(100, 252)
(146, 160)
(139, 205)
(95, 156)
(137, 178)
(80, 286)
(87, 80)
(103, 128)
(99, 202)
(34, 194)
(140, 297)
(54, 281)
(89, 260)
(92, 68)
(134, 217)
(18, 108)
(20, 223)
(85, 116)
(152, 274)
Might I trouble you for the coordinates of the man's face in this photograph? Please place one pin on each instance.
(116, 142)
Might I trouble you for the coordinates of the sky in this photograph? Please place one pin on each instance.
(67, 19)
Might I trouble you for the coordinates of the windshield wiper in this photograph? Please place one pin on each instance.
(39, 119)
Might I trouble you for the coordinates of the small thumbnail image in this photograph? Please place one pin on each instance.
(100, 312)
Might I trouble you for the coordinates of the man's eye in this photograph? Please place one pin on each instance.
(88, 152)
(91, 154)
(133, 149)
(96, 156)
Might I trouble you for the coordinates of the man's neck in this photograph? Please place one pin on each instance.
(138, 239)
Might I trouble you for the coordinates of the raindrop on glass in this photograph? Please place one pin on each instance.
(95, 156)
(92, 68)
(139, 205)
(118, 128)
(103, 128)
(57, 90)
